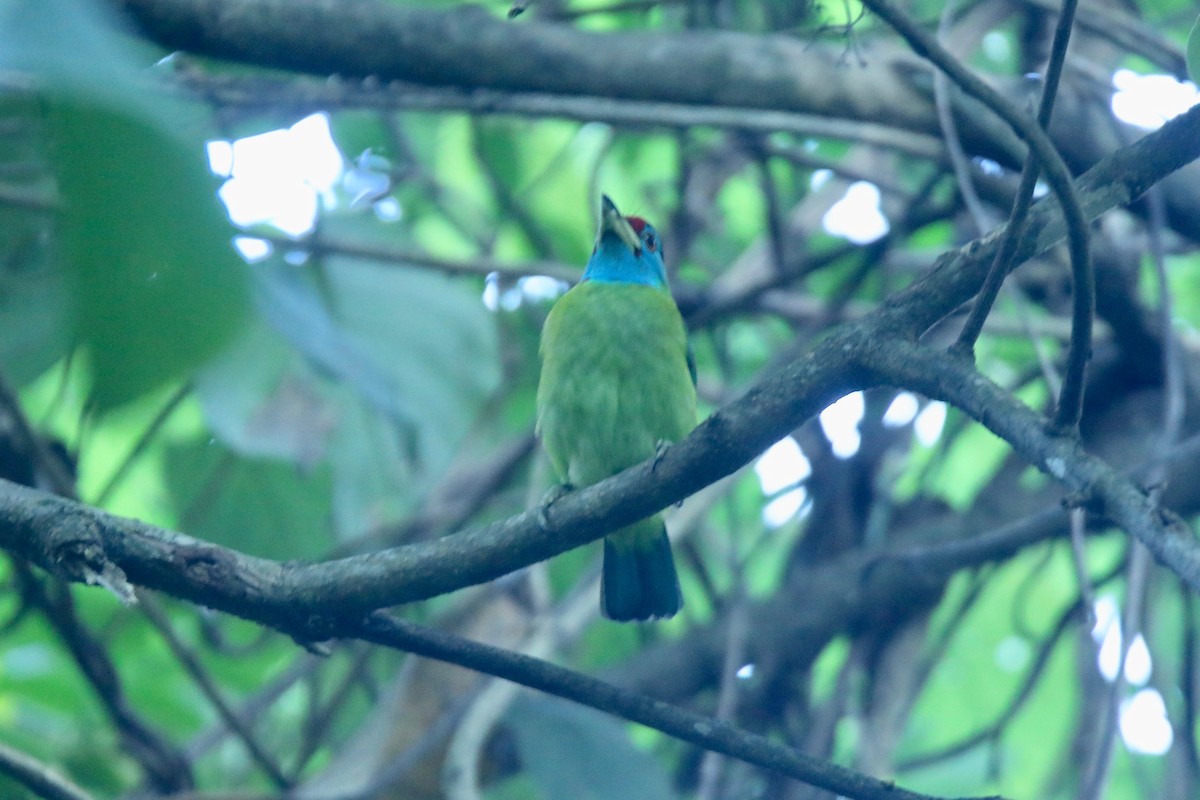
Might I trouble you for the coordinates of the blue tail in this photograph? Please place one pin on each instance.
(639, 580)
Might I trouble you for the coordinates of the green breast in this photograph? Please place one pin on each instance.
(614, 381)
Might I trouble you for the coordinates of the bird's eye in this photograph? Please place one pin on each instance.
(651, 241)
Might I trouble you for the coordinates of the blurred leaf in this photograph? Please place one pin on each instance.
(146, 245)
(262, 401)
(968, 464)
(34, 312)
(158, 287)
(260, 506)
(34, 301)
(382, 372)
(582, 754)
(433, 338)
(295, 308)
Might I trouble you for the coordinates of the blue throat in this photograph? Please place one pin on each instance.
(613, 262)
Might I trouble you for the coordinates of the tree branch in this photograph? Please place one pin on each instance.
(74, 541)
(1043, 154)
(468, 47)
(541, 69)
(707, 732)
(1024, 199)
(1091, 479)
(38, 777)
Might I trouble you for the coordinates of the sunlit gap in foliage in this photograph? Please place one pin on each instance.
(839, 423)
(928, 425)
(1144, 724)
(857, 217)
(781, 469)
(1143, 717)
(281, 178)
(901, 411)
(927, 422)
(1148, 101)
(531, 288)
(368, 182)
(997, 47)
(987, 166)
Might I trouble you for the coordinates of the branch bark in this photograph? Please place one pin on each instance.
(74, 541)
(496, 63)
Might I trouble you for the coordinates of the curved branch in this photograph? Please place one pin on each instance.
(707, 732)
(38, 777)
(80, 543)
(1093, 481)
(1024, 199)
(1041, 150)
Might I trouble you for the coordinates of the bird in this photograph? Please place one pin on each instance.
(618, 383)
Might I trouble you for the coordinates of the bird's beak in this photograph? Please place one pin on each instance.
(612, 221)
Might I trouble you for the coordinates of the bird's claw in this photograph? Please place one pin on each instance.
(552, 495)
(660, 449)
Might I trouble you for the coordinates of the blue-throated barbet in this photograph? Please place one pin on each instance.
(617, 381)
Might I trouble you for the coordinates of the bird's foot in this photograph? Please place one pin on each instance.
(552, 495)
(660, 449)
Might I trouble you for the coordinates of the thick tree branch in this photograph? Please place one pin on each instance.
(468, 47)
(520, 67)
(1091, 479)
(74, 541)
(706, 732)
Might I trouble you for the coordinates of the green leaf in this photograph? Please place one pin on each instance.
(158, 287)
(145, 244)
(265, 507)
(34, 314)
(379, 376)
(580, 753)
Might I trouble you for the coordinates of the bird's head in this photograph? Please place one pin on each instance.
(627, 250)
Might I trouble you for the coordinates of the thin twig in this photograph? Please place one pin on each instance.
(993, 730)
(706, 732)
(1096, 768)
(711, 766)
(143, 441)
(1136, 583)
(1087, 593)
(304, 95)
(481, 266)
(263, 699)
(317, 723)
(1024, 197)
(958, 156)
(165, 767)
(39, 778)
(199, 675)
(1189, 682)
(1041, 150)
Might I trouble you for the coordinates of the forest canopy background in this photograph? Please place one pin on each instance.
(273, 276)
